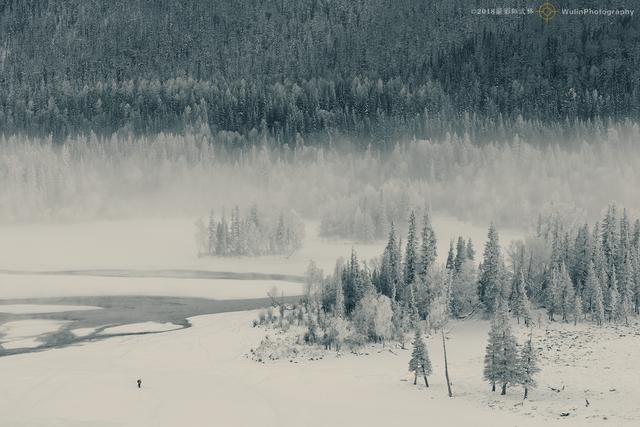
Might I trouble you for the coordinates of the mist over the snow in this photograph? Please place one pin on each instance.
(510, 182)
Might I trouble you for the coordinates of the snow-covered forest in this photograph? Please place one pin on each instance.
(312, 212)
(252, 234)
(573, 274)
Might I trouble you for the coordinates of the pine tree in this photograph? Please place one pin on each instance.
(528, 367)
(611, 307)
(490, 271)
(390, 269)
(419, 363)
(428, 250)
(552, 294)
(577, 308)
(410, 257)
(598, 304)
(566, 294)
(471, 252)
(501, 358)
(581, 257)
(450, 258)
(626, 289)
(519, 301)
(461, 255)
(211, 234)
(338, 310)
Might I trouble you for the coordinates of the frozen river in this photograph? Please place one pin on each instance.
(99, 317)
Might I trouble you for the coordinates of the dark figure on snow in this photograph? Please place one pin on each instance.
(139, 381)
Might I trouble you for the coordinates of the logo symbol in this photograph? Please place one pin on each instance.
(547, 11)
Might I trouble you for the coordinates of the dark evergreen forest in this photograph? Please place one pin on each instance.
(309, 70)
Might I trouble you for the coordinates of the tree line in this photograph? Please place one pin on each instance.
(377, 70)
(251, 234)
(571, 273)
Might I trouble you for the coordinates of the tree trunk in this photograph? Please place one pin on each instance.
(415, 378)
(424, 375)
(504, 389)
(493, 386)
(526, 392)
(446, 364)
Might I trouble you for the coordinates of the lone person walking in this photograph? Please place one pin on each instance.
(139, 383)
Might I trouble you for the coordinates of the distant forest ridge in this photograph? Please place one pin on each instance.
(291, 70)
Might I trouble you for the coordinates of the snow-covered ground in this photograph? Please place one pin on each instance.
(169, 243)
(140, 327)
(51, 286)
(41, 308)
(203, 376)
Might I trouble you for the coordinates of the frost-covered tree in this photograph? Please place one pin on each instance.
(612, 298)
(501, 357)
(450, 264)
(410, 256)
(211, 235)
(577, 308)
(382, 319)
(519, 301)
(566, 294)
(552, 299)
(626, 289)
(528, 366)
(420, 364)
(390, 275)
(464, 290)
(428, 250)
(490, 271)
(336, 333)
(338, 309)
(471, 252)
(461, 254)
(597, 310)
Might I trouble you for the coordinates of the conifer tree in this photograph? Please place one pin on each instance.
(566, 294)
(471, 252)
(577, 308)
(419, 363)
(338, 310)
(461, 255)
(611, 307)
(581, 256)
(519, 301)
(211, 234)
(428, 250)
(490, 271)
(410, 257)
(501, 358)
(390, 269)
(552, 294)
(598, 304)
(450, 258)
(528, 367)
(626, 289)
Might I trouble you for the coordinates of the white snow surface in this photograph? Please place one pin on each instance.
(169, 243)
(51, 286)
(42, 308)
(141, 327)
(202, 376)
